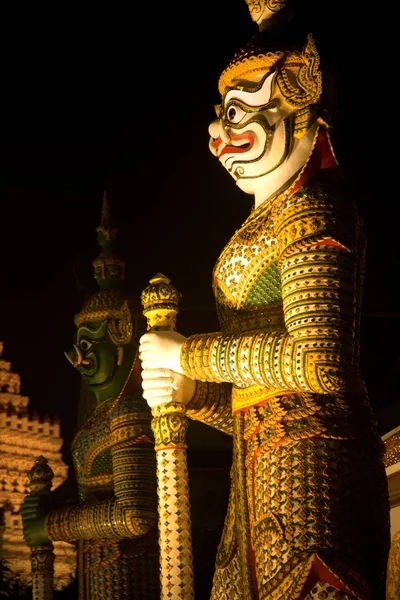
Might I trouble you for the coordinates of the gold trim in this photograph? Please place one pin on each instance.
(243, 398)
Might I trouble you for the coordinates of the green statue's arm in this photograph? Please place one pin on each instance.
(211, 404)
(314, 352)
(133, 510)
(33, 511)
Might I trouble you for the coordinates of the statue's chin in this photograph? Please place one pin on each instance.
(97, 385)
(246, 185)
(96, 380)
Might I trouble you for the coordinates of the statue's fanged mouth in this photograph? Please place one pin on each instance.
(239, 144)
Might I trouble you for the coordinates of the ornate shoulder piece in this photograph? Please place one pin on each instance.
(312, 217)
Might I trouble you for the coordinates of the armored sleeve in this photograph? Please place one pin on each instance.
(211, 404)
(133, 508)
(319, 264)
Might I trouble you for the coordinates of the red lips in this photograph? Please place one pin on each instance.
(229, 149)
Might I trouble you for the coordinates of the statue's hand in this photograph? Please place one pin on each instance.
(161, 350)
(161, 386)
(34, 510)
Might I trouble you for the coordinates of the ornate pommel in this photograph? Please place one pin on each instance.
(40, 476)
(160, 307)
(42, 556)
(160, 303)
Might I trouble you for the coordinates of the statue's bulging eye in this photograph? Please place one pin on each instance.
(85, 345)
(234, 113)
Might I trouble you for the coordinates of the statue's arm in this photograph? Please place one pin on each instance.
(314, 352)
(211, 404)
(133, 509)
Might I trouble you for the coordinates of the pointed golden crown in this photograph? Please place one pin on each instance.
(298, 75)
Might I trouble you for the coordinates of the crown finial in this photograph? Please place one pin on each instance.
(267, 13)
(109, 269)
(106, 232)
(109, 272)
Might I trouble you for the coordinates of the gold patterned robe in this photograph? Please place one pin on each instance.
(115, 522)
(308, 514)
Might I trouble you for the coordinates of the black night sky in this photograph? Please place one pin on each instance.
(119, 100)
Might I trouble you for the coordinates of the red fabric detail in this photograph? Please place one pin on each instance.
(145, 439)
(327, 242)
(319, 572)
(328, 160)
(321, 158)
(134, 384)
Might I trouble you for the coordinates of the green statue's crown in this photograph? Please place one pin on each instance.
(110, 301)
(109, 269)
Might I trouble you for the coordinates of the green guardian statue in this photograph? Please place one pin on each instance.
(115, 523)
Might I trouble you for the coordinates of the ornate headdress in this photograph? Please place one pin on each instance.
(109, 271)
(298, 75)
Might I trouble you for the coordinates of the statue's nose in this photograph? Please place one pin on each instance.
(214, 129)
(217, 130)
(219, 137)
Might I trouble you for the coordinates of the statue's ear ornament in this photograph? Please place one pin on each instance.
(307, 75)
(120, 327)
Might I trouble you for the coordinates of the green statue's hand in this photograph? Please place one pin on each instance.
(33, 511)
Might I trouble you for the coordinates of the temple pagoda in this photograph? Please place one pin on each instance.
(22, 440)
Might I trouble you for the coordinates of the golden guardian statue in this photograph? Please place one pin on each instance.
(308, 515)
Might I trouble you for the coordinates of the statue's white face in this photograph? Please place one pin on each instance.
(252, 136)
